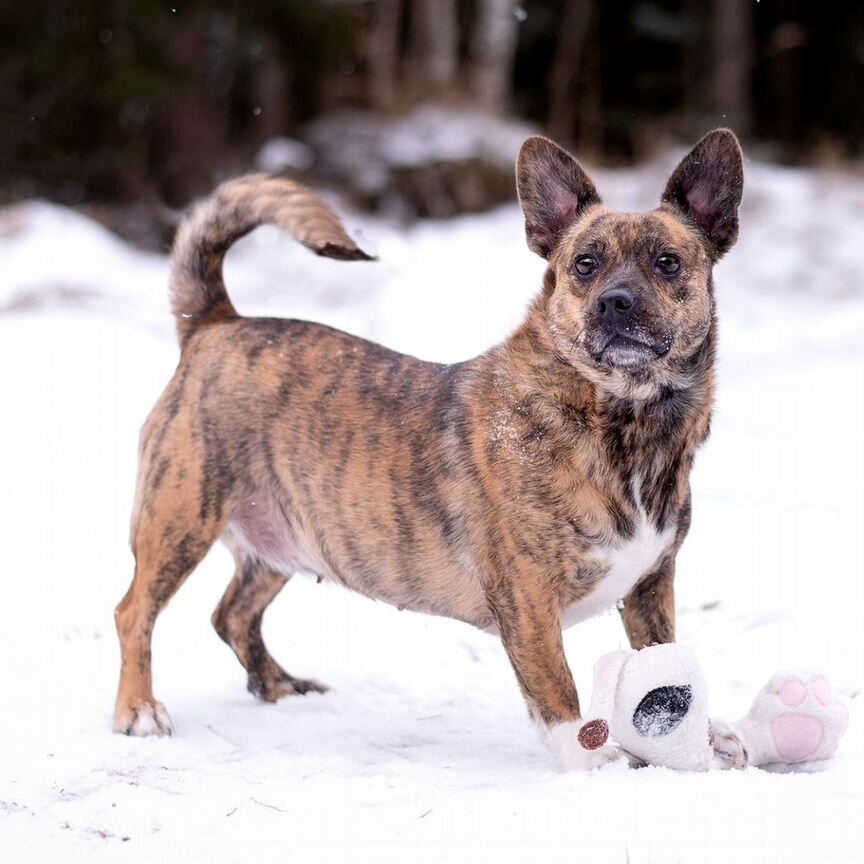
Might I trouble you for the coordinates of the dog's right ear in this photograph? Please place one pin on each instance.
(553, 191)
(707, 186)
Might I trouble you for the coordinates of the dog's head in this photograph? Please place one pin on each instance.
(629, 299)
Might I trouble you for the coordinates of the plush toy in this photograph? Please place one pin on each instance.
(795, 718)
(653, 704)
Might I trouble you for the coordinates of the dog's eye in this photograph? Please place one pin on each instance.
(585, 265)
(667, 264)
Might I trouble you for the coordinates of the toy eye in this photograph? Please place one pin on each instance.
(585, 265)
(662, 710)
(667, 264)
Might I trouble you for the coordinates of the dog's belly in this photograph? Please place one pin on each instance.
(625, 564)
(260, 529)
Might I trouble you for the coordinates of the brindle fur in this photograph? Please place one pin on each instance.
(479, 490)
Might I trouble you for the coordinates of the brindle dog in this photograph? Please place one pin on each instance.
(521, 491)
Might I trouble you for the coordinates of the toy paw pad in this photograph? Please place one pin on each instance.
(799, 733)
(805, 720)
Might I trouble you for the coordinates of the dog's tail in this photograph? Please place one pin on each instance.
(198, 294)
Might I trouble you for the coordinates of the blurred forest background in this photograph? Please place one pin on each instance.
(144, 104)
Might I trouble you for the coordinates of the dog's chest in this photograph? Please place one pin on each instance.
(625, 562)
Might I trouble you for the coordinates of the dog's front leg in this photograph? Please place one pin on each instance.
(528, 618)
(649, 619)
(648, 612)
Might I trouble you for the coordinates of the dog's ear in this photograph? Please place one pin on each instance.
(553, 190)
(707, 186)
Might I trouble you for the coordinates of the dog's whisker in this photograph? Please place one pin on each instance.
(574, 345)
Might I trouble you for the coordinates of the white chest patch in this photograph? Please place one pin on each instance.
(626, 562)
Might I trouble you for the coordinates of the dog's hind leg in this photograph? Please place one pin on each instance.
(166, 550)
(237, 620)
(162, 564)
(172, 531)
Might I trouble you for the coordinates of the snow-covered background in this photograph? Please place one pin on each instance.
(423, 748)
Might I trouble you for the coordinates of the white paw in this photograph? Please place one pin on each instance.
(563, 740)
(146, 718)
(795, 718)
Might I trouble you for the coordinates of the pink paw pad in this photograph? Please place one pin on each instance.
(822, 691)
(841, 717)
(793, 691)
(796, 736)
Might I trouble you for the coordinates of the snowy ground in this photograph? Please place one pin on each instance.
(423, 748)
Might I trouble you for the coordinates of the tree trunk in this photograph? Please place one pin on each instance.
(492, 49)
(590, 130)
(435, 46)
(696, 62)
(733, 60)
(383, 54)
(565, 95)
(270, 90)
(197, 122)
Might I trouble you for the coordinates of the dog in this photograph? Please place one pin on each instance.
(522, 491)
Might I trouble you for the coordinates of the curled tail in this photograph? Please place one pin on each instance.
(198, 294)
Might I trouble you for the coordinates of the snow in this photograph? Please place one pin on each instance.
(423, 748)
(364, 149)
(279, 154)
(428, 134)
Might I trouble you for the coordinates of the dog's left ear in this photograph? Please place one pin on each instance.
(553, 191)
(707, 186)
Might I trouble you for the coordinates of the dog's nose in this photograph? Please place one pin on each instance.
(615, 303)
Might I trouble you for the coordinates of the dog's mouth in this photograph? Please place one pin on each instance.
(630, 352)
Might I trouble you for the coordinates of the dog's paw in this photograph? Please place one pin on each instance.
(142, 718)
(568, 742)
(279, 686)
(729, 750)
(796, 718)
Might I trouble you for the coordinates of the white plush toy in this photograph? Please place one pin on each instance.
(653, 704)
